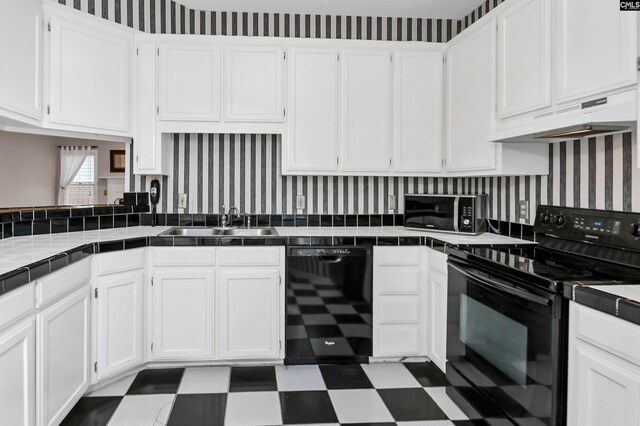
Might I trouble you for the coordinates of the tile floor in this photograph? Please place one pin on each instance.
(381, 394)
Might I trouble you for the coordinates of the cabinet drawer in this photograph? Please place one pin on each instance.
(397, 255)
(438, 261)
(249, 256)
(184, 256)
(62, 281)
(398, 280)
(120, 261)
(398, 310)
(612, 334)
(17, 303)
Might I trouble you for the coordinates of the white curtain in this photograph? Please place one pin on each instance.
(71, 159)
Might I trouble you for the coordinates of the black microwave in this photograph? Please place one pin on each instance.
(460, 214)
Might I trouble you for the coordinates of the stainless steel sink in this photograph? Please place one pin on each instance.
(202, 231)
(250, 232)
(192, 231)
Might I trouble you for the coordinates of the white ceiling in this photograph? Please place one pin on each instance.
(452, 9)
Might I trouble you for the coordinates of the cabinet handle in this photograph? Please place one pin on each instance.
(136, 158)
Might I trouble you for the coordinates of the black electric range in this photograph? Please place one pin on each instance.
(507, 319)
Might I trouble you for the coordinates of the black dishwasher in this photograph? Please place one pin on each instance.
(329, 300)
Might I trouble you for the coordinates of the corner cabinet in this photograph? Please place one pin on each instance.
(596, 48)
(17, 375)
(90, 69)
(366, 110)
(311, 140)
(21, 52)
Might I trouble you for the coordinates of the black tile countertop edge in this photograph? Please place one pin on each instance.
(608, 303)
(16, 278)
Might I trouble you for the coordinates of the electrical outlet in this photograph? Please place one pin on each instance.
(182, 201)
(393, 203)
(524, 209)
(301, 202)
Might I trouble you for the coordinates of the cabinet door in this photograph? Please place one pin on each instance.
(417, 124)
(312, 123)
(253, 84)
(366, 110)
(601, 390)
(119, 326)
(63, 357)
(182, 314)
(189, 81)
(90, 69)
(20, 50)
(524, 58)
(17, 375)
(471, 99)
(595, 48)
(248, 306)
(145, 143)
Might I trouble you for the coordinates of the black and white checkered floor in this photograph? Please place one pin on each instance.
(383, 394)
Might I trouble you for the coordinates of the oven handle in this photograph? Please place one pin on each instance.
(503, 287)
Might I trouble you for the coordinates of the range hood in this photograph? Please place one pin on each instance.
(612, 114)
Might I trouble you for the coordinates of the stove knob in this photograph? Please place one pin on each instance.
(466, 222)
(545, 218)
(560, 220)
(635, 230)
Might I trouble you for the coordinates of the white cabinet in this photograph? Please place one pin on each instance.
(417, 108)
(253, 86)
(399, 308)
(17, 375)
(311, 141)
(471, 99)
(595, 48)
(437, 308)
(604, 369)
(524, 58)
(366, 110)
(146, 142)
(182, 317)
(189, 83)
(21, 53)
(248, 320)
(119, 326)
(63, 356)
(89, 74)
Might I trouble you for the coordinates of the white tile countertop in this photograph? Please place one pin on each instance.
(17, 252)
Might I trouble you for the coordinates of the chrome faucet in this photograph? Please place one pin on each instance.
(226, 216)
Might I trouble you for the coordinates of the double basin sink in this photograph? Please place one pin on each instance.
(209, 231)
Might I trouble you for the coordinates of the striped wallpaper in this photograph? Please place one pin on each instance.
(244, 171)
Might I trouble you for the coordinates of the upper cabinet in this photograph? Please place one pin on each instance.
(471, 99)
(90, 69)
(595, 48)
(189, 83)
(311, 140)
(253, 83)
(146, 146)
(366, 110)
(417, 111)
(524, 58)
(21, 53)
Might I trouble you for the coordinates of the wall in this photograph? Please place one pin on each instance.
(243, 170)
(31, 162)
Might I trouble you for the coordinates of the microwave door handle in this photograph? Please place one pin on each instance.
(456, 208)
(503, 287)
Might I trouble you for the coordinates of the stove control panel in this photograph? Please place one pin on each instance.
(605, 227)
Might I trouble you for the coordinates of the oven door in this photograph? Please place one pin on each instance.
(507, 341)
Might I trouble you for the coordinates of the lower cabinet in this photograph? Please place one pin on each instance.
(604, 369)
(119, 302)
(63, 356)
(437, 308)
(248, 312)
(399, 308)
(182, 317)
(17, 375)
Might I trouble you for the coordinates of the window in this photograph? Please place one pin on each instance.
(82, 190)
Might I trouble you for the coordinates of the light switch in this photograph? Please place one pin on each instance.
(182, 201)
(393, 203)
(301, 202)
